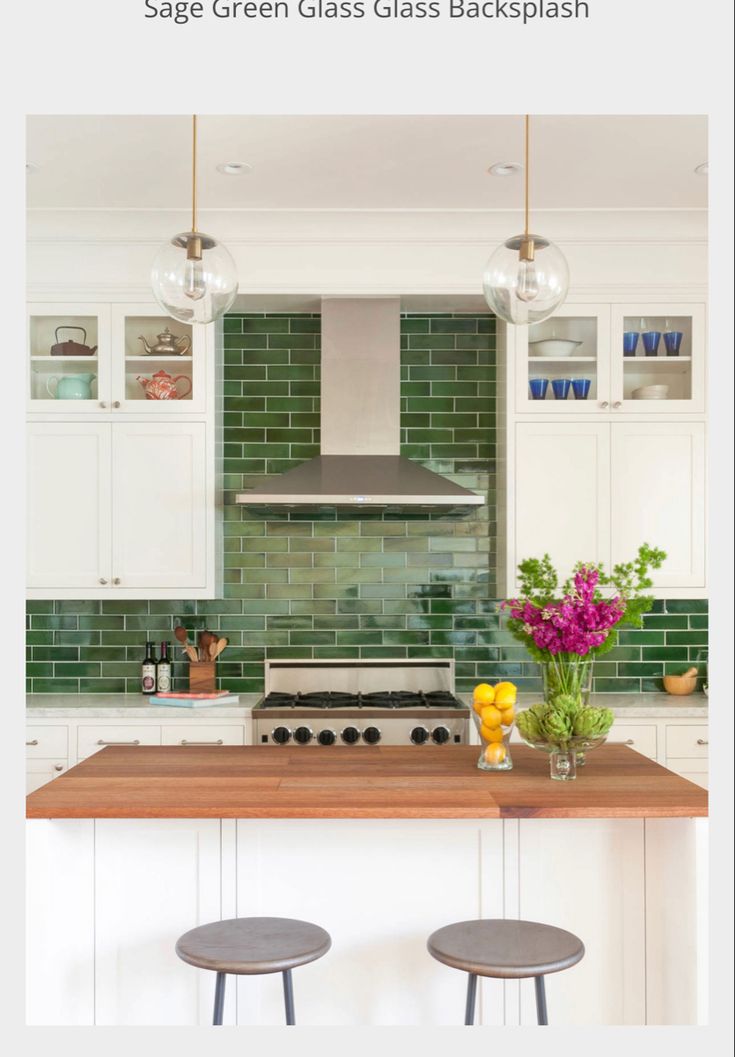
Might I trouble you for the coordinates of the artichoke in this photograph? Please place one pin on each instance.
(556, 725)
(593, 722)
(569, 704)
(528, 723)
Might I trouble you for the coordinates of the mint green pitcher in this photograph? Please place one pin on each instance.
(71, 386)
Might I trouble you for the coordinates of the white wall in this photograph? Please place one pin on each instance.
(430, 253)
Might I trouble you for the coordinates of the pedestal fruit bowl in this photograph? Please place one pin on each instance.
(493, 709)
(566, 729)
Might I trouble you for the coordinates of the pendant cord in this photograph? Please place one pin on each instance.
(194, 172)
(527, 122)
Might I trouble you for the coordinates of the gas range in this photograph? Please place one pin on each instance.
(347, 703)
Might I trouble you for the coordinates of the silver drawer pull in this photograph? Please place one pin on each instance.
(219, 741)
(101, 741)
(34, 742)
(58, 767)
(702, 741)
(629, 742)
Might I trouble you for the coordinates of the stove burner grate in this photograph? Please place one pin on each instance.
(386, 699)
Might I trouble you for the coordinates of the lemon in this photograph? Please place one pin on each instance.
(483, 695)
(495, 753)
(492, 734)
(505, 695)
(507, 716)
(491, 716)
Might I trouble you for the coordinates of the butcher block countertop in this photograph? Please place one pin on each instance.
(270, 782)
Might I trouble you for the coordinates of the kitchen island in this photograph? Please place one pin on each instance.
(380, 846)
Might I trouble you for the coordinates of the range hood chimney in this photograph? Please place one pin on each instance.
(360, 463)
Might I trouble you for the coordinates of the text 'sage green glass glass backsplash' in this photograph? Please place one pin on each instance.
(341, 585)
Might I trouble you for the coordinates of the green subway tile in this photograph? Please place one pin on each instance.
(641, 638)
(686, 638)
(648, 669)
(664, 621)
(664, 653)
(55, 653)
(693, 605)
(55, 686)
(696, 621)
(39, 668)
(616, 686)
(76, 669)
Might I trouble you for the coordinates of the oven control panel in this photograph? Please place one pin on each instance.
(392, 730)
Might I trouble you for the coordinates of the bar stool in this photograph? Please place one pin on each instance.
(506, 950)
(253, 947)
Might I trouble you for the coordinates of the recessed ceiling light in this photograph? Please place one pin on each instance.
(505, 168)
(234, 168)
(30, 168)
(703, 169)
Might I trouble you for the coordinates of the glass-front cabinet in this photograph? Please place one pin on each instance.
(607, 358)
(99, 359)
(563, 363)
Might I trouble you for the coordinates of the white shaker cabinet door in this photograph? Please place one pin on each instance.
(658, 480)
(68, 505)
(159, 505)
(562, 492)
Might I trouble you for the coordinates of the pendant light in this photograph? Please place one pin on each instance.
(527, 278)
(194, 277)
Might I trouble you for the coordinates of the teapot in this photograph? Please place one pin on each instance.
(168, 344)
(163, 387)
(71, 386)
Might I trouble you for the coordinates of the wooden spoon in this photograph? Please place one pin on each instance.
(217, 647)
(182, 636)
(206, 638)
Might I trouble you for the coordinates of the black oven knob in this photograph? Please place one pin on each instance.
(326, 737)
(371, 735)
(419, 735)
(281, 735)
(441, 735)
(350, 735)
(303, 735)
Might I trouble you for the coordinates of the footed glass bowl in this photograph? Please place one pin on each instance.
(495, 755)
(565, 758)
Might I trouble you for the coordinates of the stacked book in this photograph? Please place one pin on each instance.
(192, 699)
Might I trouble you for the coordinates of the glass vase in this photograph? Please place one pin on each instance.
(567, 673)
(495, 755)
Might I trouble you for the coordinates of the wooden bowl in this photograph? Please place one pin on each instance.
(680, 685)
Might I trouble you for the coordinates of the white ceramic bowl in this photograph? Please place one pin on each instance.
(651, 392)
(553, 347)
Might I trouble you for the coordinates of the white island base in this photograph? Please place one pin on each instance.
(108, 898)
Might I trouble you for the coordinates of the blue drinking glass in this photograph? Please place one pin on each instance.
(630, 342)
(581, 388)
(672, 341)
(561, 387)
(538, 387)
(651, 339)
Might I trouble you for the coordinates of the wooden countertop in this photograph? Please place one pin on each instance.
(270, 781)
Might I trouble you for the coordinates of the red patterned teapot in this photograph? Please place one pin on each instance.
(163, 387)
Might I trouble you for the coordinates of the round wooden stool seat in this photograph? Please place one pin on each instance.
(506, 949)
(252, 946)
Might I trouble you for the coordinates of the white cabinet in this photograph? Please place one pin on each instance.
(658, 496)
(116, 350)
(603, 358)
(122, 509)
(597, 490)
(69, 512)
(159, 500)
(562, 492)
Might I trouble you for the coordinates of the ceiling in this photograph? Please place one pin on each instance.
(367, 162)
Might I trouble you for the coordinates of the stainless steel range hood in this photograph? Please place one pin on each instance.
(360, 464)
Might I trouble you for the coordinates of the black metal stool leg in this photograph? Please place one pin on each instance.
(469, 1012)
(541, 1015)
(219, 998)
(288, 996)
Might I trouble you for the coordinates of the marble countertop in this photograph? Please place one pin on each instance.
(136, 706)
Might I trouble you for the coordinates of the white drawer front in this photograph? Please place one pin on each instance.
(642, 739)
(92, 739)
(43, 742)
(39, 772)
(202, 734)
(695, 770)
(687, 740)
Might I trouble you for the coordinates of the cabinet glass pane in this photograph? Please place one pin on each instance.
(657, 357)
(562, 360)
(158, 359)
(63, 357)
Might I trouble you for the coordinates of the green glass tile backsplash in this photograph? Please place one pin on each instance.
(341, 585)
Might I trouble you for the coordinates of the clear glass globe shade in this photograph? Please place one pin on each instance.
(525, 291)
(194, 291)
